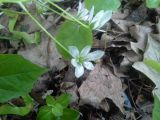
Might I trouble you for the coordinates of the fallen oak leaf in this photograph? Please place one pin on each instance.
(101, 84)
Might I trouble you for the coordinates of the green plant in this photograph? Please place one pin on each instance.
(26, 73)
(82, 24)
(17, 77)
(57, 109)
(9, 108)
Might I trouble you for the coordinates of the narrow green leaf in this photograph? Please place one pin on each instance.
(22, 111)
(17, 76)
(102, 4)
(13, 1)
(73, 34)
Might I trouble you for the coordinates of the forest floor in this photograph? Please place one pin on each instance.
(115, 89)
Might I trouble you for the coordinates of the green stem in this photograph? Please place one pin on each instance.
(57, 42)
(60, 14)
(67, 14)
(12, 11)
(6, 38)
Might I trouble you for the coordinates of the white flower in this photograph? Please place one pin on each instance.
(98, 20)
(83, 59)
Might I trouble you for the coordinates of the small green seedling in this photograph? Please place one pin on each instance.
(57, 109)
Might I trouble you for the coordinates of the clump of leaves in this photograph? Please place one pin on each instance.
(13, 109)
(17, 76)
(57, 109)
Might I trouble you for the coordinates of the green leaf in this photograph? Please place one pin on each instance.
(73, 34)
(153, 3)
(50, 101)
(22, 111)
(64, 99)
(13, 1)
(70, 114)
(45, 113)
(59, 104)
(17, 76)
(153, 64)
(156, 109)
(57, 110)
(21, 35)
(102, 4)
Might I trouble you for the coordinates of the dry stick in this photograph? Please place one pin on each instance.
(54, 39)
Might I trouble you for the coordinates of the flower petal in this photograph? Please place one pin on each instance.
(95, 55)
(74, 62)
(88, 65)
(105, 18)
(85, 51)
(79, 71)
(101, 18)
(98, 16)
(80, 8)
(91, 13)
(73, 51)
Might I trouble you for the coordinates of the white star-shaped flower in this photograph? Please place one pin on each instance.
(98, 20)
(83, 59)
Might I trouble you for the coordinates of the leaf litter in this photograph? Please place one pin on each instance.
(127, 42)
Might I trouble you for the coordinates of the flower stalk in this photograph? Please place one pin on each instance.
(53, 38)
(69, 15)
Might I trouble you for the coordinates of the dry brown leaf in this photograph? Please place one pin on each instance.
(132, 56)
(44, 54)
(123, 24)
(139, 14)
(28, 24)
(140, 34)
(101, 84)
(120, 15)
